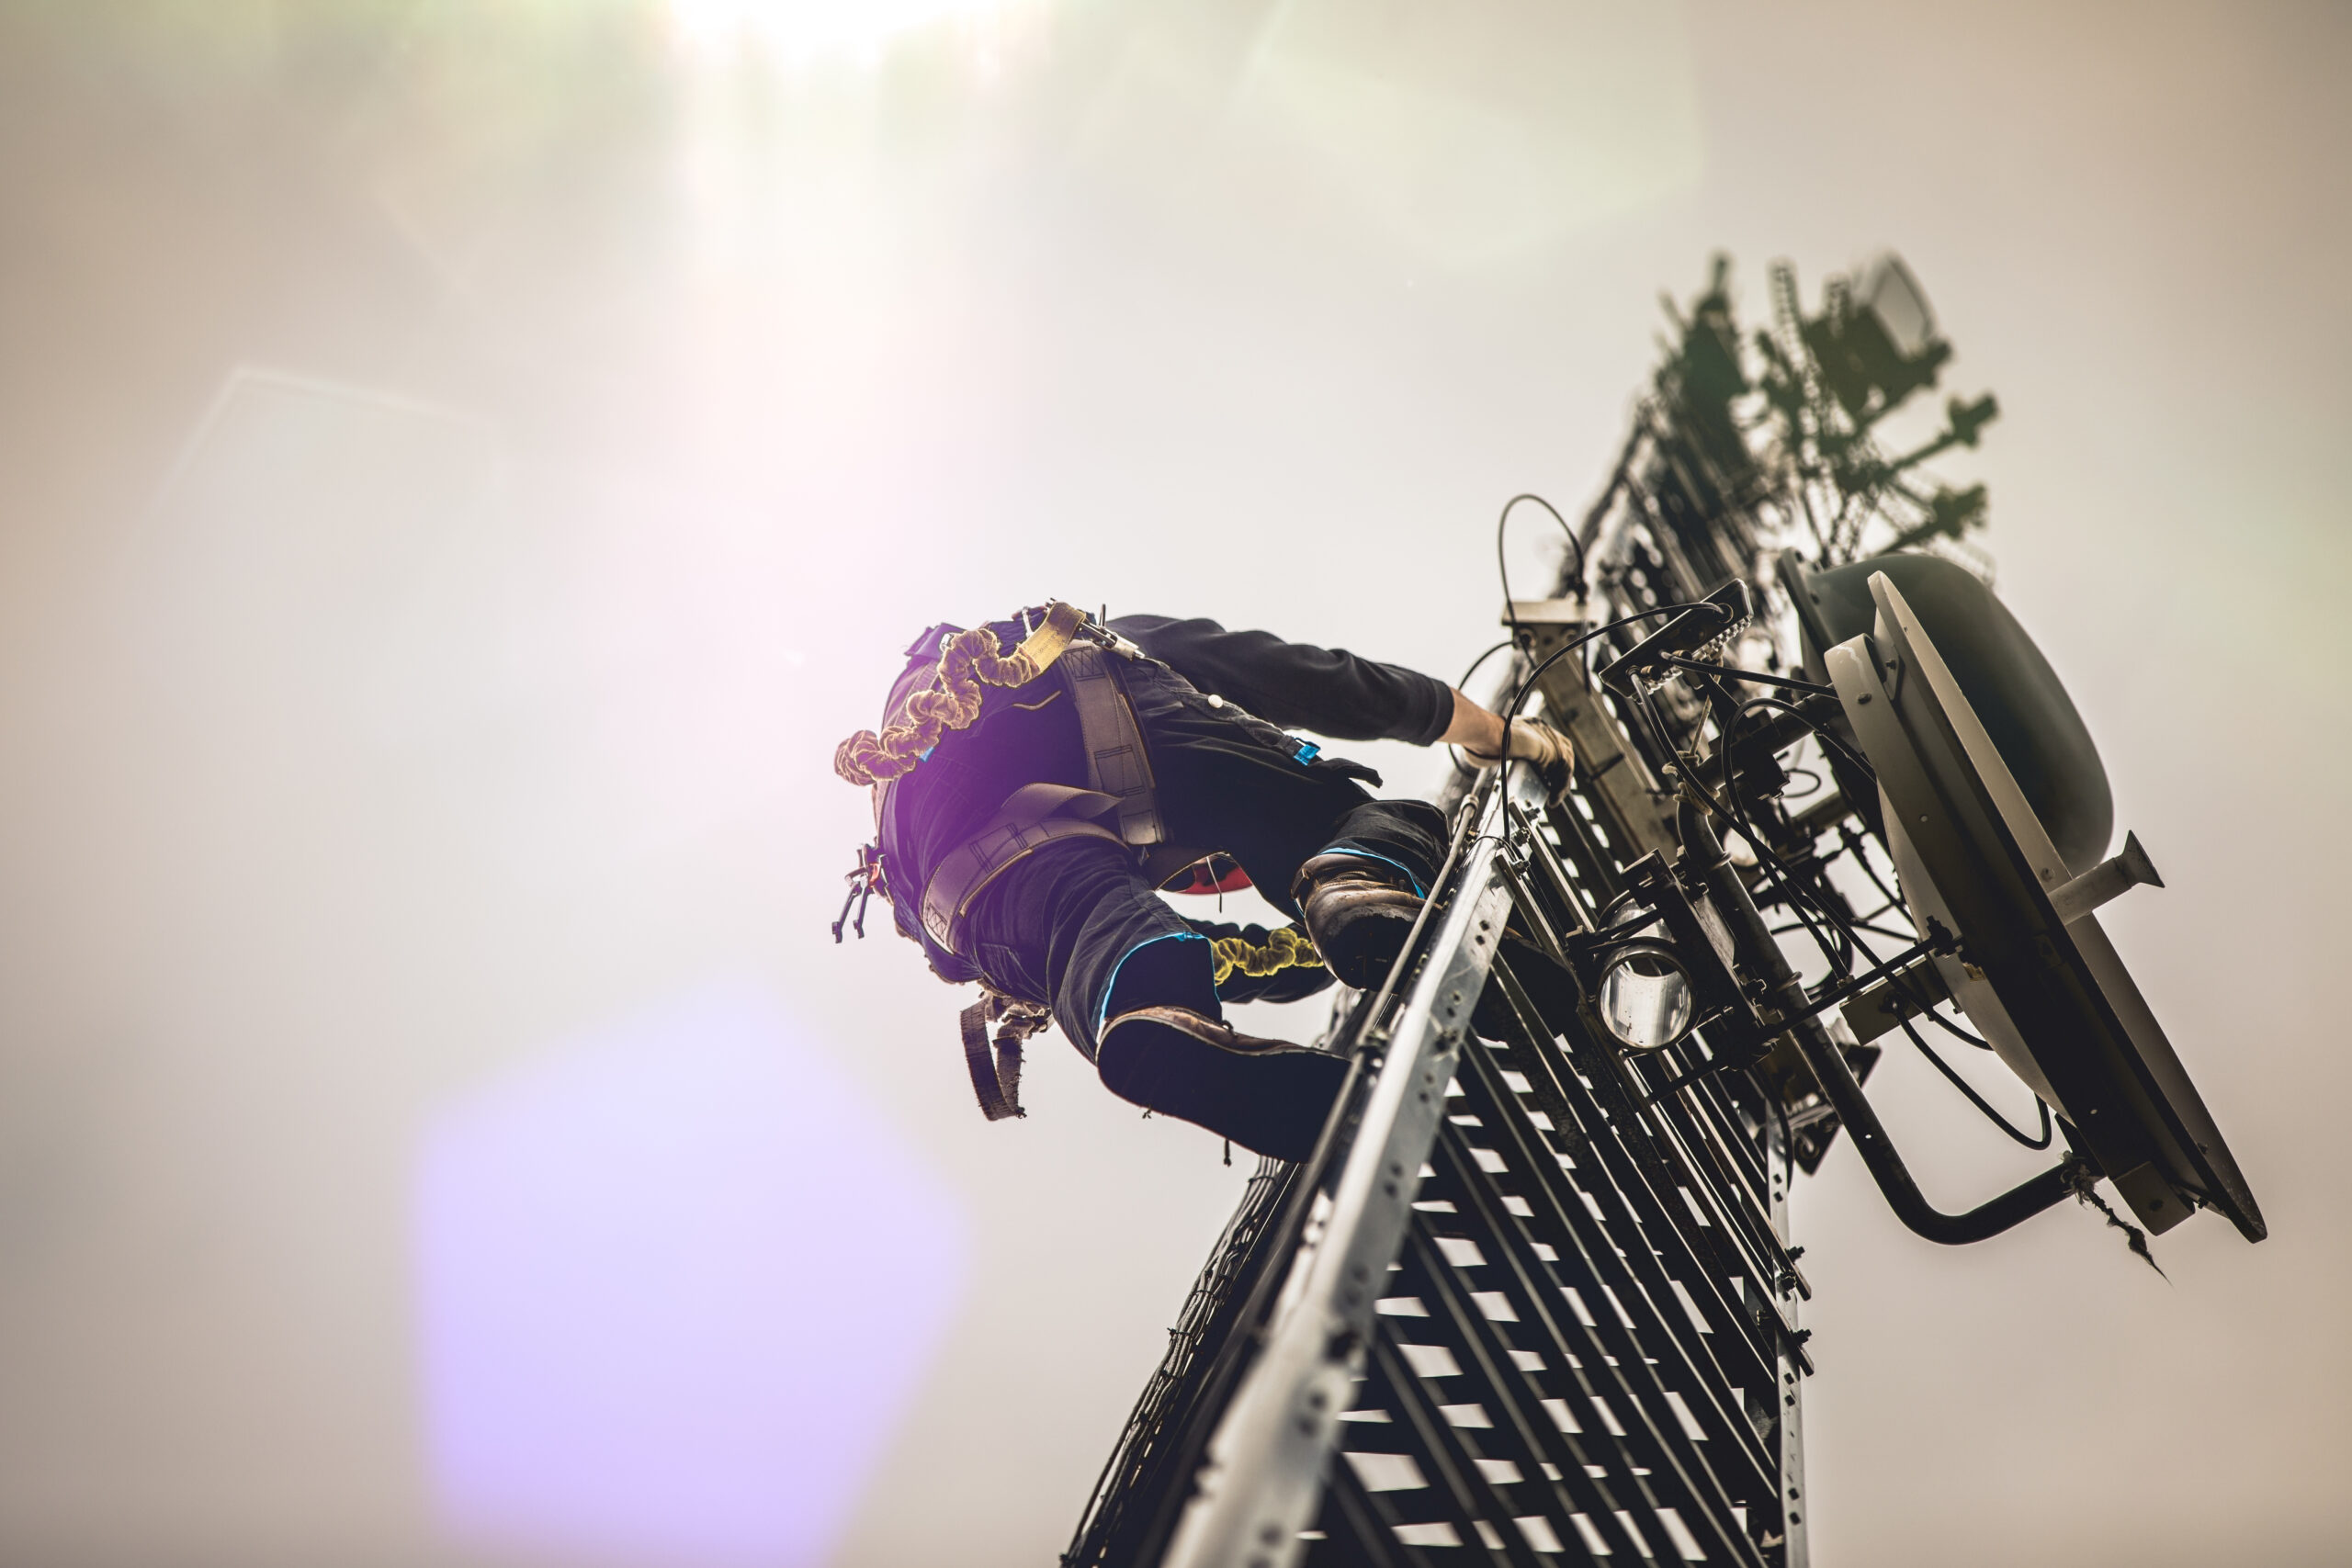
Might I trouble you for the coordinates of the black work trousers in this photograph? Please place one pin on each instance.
(1064, 925)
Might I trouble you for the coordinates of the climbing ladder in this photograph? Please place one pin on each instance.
(1538, 1307)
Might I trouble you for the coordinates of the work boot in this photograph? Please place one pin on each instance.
(1358, 913)
(1268, 1096)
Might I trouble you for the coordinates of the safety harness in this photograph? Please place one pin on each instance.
(1119, 806)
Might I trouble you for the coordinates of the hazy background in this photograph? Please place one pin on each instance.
(463, 464)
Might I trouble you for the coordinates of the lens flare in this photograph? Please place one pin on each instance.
(677, 1285)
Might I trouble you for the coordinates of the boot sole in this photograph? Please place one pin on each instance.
(1362, 947)
(1270, 1101)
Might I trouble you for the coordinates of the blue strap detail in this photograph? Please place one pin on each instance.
(1307, 752)
(1102, 1013)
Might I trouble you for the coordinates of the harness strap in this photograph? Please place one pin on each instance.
(1033, 815)
(1116, 763)
(996, 1083)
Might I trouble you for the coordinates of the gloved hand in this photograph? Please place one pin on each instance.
(1533, 740)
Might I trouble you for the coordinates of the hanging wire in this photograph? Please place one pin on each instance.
(1727, 732)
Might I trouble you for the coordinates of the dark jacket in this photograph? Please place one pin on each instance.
(1025, 735)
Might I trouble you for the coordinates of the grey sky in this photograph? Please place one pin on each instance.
(464, 467)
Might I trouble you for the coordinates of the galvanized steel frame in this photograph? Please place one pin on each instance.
(1564, 1300)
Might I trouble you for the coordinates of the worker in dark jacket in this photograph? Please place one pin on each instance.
(1030, 805)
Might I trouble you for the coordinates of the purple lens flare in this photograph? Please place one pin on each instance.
(676, 1285)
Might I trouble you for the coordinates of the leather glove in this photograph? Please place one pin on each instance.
(1533, 740)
